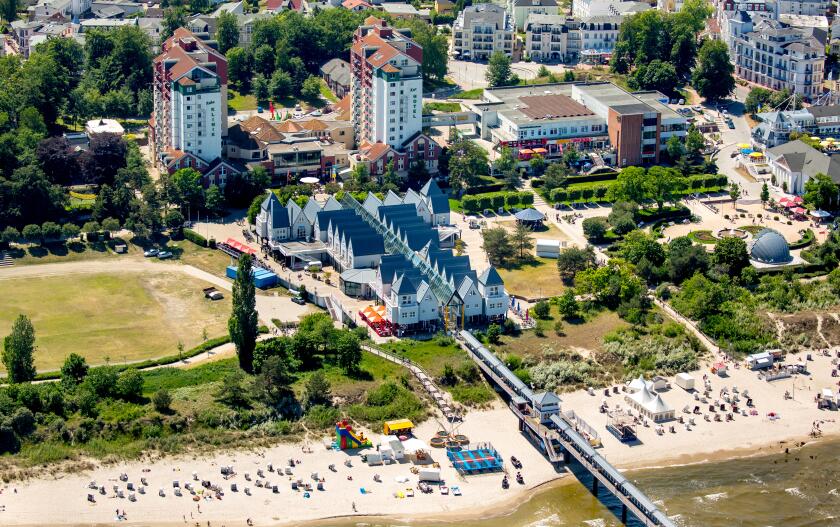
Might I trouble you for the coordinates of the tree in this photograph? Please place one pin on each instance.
(280, 85)
(497, 245)
(390, 178)
(105, 156)
(765, 194)
(675, 148)
(348, 352)
(311, 88)
(239, 68)
(434, 44)
(232, 391)
(184, 188)
(214, 200)
(493, 333)
(542, 310)
(731, 256)
(259, 86)
(58, 161)
(9, 9)
(595, 228)
(162, 400)
(70, 231)
(505, 162)
(660, 184)
(10, 235)
(572, 260)
(111, 225)
(243, 321)
(639, 244)
(685, 258)
(521, 240)
(537, 164)
(734, 194)
(821, 192)
(568, 76)
(556, 176)
(567, 305)
(173, 18)
(51, 231)
(32, 234)
(274, 381)
(694, 141)
(130, 384)
(468, 161)
(657, 75)
(227, 31)
(757, 98)
(19, 351)
(74, 369)
(317, 391)
(629, 185)
(713, 77)
(622, 217)
(174, 220)
(498, 70)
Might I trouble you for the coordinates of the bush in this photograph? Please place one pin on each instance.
(162, 400)
(513, 199)
(195, 237)
(542, 309)
(559, 329)
(595, 228)
(526, 198)
(559, 195)
(470, 204)
(130, 385)
(498, 201)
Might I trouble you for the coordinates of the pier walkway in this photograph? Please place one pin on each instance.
(558, 436)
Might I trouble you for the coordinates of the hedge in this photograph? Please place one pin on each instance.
(806, 240)
(604, 176)
(195, 237)
(495, 200)
(205, 346)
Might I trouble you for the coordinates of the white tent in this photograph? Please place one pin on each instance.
(548, 248)
(638, 384)
(650, 405)
(685, 381)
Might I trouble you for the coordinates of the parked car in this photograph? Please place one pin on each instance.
(697, 108)
(164, 255)
(212, 293)
(150, 252)
(316, 113)
(298, 300)
(259, 109)
(730, 124)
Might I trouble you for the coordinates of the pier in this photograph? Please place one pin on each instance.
(559, 438)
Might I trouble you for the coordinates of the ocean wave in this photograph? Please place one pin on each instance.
(597, 522)
(549, 521)
(834, 492)
(710, 498)
(794, 491)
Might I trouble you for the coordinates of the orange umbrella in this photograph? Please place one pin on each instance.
(375, 317)
(380, 309)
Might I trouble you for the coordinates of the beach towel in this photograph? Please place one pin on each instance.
(362, 490)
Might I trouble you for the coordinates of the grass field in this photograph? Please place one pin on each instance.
(469, 94)
(442, 107)
(120, 316)
(70, 252)
(241, 102)
(584, 336)
(536, 278)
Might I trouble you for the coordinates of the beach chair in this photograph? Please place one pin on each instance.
(144, 482)
(91, 499)
(247, 491)
(320, 486)
(275, 490)
(234, 488)
(132, 497)
(288, 471)
(161, 493)
(142, 490)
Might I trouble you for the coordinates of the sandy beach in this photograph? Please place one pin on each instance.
(62, 500)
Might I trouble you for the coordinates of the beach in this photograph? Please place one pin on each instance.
(62, 498)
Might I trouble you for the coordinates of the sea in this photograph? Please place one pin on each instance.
(799, 489)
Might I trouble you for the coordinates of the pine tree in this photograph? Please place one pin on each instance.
(243, 323)
(19, 351)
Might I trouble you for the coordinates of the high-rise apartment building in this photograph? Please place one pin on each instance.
(386, 84)
(190, 102)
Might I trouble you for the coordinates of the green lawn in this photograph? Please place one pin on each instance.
(469, 94)
(429, 355)
(70, 252)
(442, 107)
(239, 102)
(327, 93)
(121, 316)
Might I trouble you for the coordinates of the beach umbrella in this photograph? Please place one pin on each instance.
(798, 199)
(814, 138)
(743, 145)
(819, 213)
(756, 155)
(746, 151)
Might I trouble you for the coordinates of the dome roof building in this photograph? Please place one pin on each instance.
(770, 247)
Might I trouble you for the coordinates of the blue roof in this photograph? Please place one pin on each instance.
(491, 277)
(430, 188)
(405, 284)
(325, 216)
(390, 264)
(278, 216)
(367, 244)
(439, 204)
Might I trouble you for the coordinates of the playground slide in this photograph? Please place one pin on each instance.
(353, 440)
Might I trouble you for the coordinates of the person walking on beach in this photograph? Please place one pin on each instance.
(354, 506)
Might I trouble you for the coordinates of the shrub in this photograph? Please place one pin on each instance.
(195, 237)
(539, 329)
(595, 228)
(587, 193)
(542, 309)
(50, 231)
(32, 234)
(470, 204)
(513, 199)
(498, 201)
(485, 202)
(559, 194)
(130, 384)
(559, 328)
(162, 400)
(493, 333)
(102, 380)
(526, 198)
(574, 194)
